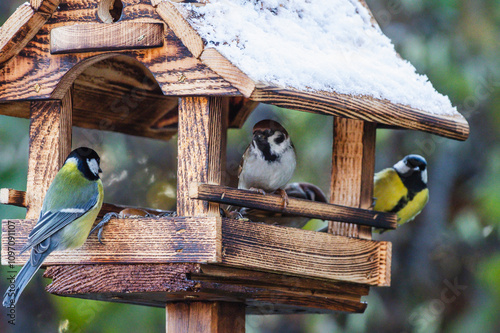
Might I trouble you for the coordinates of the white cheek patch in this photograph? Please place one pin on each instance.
(72, 210)
(93, 166)
(424, 176)
(401, 167)
(278, 149)
(72, 160)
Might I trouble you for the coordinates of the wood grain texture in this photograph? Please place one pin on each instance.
(199, 151)
(189, 37)
(157, 285)
(302, 252)
(353, 161)
(307, 208)
(364, 108)
(134, 112)
(20, 109)
(144, 240)
(49, 145)
(12, 197)
(220, 65)
(36, 74)
(205, 317)
(45, 6)
(238, 244)
(280, 282)
(18, 30)
(105, 37)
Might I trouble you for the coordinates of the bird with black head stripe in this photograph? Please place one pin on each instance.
(402, 189)
(69, 209)
(269, 161)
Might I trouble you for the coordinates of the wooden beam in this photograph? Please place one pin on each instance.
(50, 144)
(199, 151)
(300, 207)
(19, 29)
(168, 239)
(302, 252)
(105, 37)
(205, 317)
(220, 65)
(45, 6)
(281, 282)
(353, 161)
(234, 243)
(201, 157)
(160, 284)
(364, 108)
(189, 37)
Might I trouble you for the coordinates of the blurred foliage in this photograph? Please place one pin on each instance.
(446, 265)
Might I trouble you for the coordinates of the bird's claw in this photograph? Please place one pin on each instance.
(258, 190)
(284, 196)
(374, 202)
(101, 224)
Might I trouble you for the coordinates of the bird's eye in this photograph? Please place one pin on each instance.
(280, 138)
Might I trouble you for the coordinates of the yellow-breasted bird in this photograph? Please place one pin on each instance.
(69, 209)
(402, 189)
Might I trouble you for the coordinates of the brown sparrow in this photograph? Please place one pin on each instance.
(304, 191)
(269, 161)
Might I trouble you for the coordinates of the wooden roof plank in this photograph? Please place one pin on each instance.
(220, 65)
(19, 29)
(363, 108)
(183, 30)
(45, 6)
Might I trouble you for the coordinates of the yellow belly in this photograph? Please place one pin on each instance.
(389, 189)
(75, 233)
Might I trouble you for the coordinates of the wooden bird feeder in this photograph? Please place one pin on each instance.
(77, 63)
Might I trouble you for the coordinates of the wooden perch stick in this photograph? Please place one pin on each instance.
(17, 198)
(12, 197)
(274, 203)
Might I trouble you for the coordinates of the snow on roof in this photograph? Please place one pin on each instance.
(314, 45)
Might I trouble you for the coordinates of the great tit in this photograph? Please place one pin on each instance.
(402, 189)
(69, 209)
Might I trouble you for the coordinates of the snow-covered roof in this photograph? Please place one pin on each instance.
(323, 56)
(314, 45)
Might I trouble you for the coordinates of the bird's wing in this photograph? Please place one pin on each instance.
(56, 218)
(388, 190)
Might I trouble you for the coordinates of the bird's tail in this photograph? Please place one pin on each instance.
(23, 277)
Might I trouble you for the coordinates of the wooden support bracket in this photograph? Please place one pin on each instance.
(274, 203)
(161, 284)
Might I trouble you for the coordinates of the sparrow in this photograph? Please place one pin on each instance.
(305, 191)
(269, 161)
(402, 189)
(69, 209)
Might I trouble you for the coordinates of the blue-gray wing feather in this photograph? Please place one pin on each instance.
(51, 222)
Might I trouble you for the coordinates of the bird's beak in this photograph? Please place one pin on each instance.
(100, 170)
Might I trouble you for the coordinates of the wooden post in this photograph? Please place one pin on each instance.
(50, 144)
(210, 317)
(201, 146)
(353, 163)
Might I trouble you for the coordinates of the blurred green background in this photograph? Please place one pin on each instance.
(446, 265)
